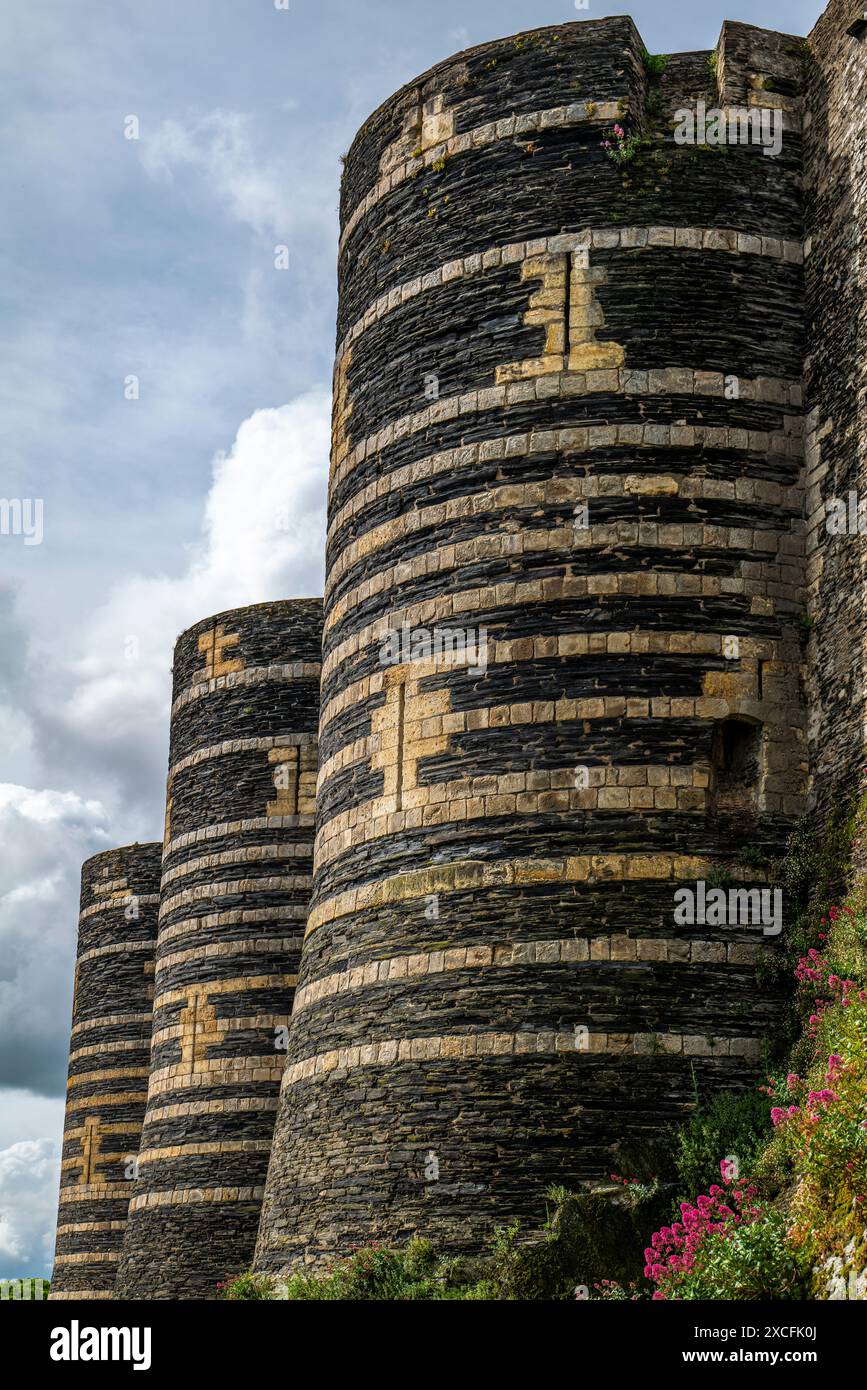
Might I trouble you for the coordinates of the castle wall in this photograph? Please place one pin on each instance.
(108, 1066)
(235, 885)
(836, 396)
(493, 994)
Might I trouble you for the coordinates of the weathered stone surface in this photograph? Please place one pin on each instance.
(108, 1066)
(234, 893)
(491, 984)
(835, 386)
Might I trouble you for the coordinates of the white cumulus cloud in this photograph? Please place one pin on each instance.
(262, 539)
(29, 1180)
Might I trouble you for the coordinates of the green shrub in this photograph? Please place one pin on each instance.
(734, 1124)
(376, 1274)
(28, 1289)
(654, 63)
(249, 1286)
(590, 1237)
(748, 1262)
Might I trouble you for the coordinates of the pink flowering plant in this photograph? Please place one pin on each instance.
(634, 1191)
(725, 1246)
(619, 146)
(819, 1113)
(609, 1291)
(822, 1127)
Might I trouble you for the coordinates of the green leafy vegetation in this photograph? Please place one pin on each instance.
(588, 1236)
(654, 63)
(730, 1126)
(28, 1290)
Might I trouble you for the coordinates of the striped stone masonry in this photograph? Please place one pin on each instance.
(568, 427)
(520, 953)
(588, 239)
(108, 1066)
(514, 1044)
(835, 383)
(235, 887)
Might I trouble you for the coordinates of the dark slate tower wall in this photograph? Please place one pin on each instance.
(493, 992)
(836, 394)
(235, 887)
(108, 1066)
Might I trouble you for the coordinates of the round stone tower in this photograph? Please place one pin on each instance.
(561, 644)
(108, 1066)
(235, 887)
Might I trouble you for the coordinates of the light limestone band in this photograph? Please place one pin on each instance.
(562, 492)
(83, 1295)
(251, 854)
(603, 483)
(240, 745)
(679, 950)
(228, 1071)
(172, 1031)
(123, 899)
(556, 385)
(468, 875)
(179, 994)
(106, 1074)
(194, 1150)
(115, 1127)
(93, 1258)
(231, 1105)
(95, 1192)
(510, 650)
(76, 1228)
(768, 543)
(487, 796)
(98, 1049)
(116, 948)
(250, 917)
(555, 493)
(225, 829)
(109, 1021)
(118, 1098)
(190, 1196)
(601, 787)
(478, 1045)
(204, 892)
(442, 609)
(250, 676)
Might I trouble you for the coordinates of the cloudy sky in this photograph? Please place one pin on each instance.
(165, 392)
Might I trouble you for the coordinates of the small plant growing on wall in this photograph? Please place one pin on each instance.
(654, 63)
(620, 147)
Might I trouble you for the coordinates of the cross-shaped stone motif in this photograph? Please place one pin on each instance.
(426, 125)
(90, 1149)
(566, 306)
(212, 647)
(407, 727)
(115, 891)
(199, 1029)
(294, 780)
